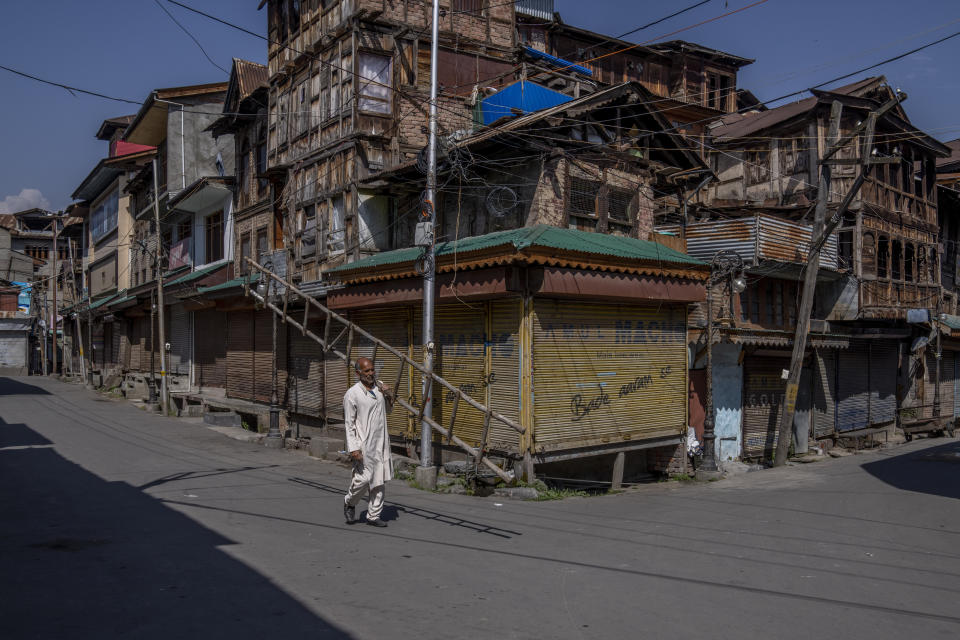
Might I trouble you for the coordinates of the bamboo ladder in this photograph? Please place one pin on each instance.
(351, 330)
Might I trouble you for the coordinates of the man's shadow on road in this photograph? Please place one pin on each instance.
(392, 511)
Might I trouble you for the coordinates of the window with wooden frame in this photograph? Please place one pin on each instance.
(757, 165)
(376, 85)
(868, 255)
(883, 257)
(909, 261)
(243, 166)
(244, 253)
(262, 244)
(213, 237)
(618, 209)
(262, 181)
(308, 235)
(471, 7)
(407, 57)
(582, 203)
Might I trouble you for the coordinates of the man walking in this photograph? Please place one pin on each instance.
(365, 407)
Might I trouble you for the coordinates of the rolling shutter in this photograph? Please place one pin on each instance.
(505, 366)
(946, 383)
(211, 351)
(853, 386)
(824, 381)
(607, 373)
(263, 356)
(763, 393)
(181, 341)
(390, 326)
(883, 381)
(240, 362)
(305, 369)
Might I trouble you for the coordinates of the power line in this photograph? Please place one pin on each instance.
(197, 42)
(69, 88)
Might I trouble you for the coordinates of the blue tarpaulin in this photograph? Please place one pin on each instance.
(23, 300)
(522, 96)
(558, 62)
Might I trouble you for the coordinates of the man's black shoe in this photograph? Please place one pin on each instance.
(350, 513)
(376, 523)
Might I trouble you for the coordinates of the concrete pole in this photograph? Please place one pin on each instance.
(426, 473)
(164, 397)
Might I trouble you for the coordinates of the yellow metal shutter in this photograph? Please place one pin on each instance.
(504, 375)
(460, 337)
(390, 326)
(605, 373)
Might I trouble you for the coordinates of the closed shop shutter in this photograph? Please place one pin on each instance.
(607, 373)
(956, 385)
(460, 337)
(304, 390)
(336, 382)
(13, 349)
(263, 356)
(505, 367)
(108, 357)
(946, 383)
(211, 351)
(240, 361)
(116, 332)
(136, 344)
(98, 347)
(763, 394)
(181, 340)
(392, 327)
(883, 381)
(824, 382)
(853, 386)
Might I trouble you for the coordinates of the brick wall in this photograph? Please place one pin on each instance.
(669, 460)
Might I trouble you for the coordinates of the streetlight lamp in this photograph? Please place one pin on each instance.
(726, 268)
(274, 439)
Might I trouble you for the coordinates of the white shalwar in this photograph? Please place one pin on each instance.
(365, 420)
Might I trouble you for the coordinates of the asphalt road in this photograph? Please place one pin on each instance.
(119, 524)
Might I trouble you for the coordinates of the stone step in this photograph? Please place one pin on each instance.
(222, 419)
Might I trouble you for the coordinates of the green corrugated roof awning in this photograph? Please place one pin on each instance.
(195, 275)
(544, 236)
(229, 284)
(951, 321)
(103, 301)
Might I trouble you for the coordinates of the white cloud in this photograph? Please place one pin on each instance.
(26, 199)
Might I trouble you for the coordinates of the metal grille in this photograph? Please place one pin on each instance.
(607, 373)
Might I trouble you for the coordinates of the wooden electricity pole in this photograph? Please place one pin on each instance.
(821, 231)
(53, 315)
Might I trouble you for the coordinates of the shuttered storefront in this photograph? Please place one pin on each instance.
(240, 365)
(136, 344)
(884, 359)
(505, 366)
(607, 373)
(108, 355)
(947, 383)
(763, 395)
(853, 387)
(824, 403)
(392, 327)
(117, 335)
(305, 372)
(211, 348)
(98, 352)
(263, 356)
(181, 340)
(956, 384)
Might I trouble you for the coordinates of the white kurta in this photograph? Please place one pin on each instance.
(365, 419)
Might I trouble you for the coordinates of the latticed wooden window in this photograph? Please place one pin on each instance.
(582, 203)
(473, 7)
(618, 205)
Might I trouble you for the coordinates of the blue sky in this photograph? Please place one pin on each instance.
(126, 48)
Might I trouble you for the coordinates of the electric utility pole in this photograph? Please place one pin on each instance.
(820, 232)
(426, 475)
(53, 315)
(164, 398)
(76, 315)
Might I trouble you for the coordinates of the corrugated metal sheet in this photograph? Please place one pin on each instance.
(607, 373)
(956, 385)
(211, 351)
(542, 9)
(755, 238)
(884, 357)
(789, 241)
(853, 387)
(947, 381)
(566, 65)
(522, 96)
(824, 384)
(543, 236)
(763, 393)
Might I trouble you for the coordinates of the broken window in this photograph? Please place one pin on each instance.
(375, 85)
